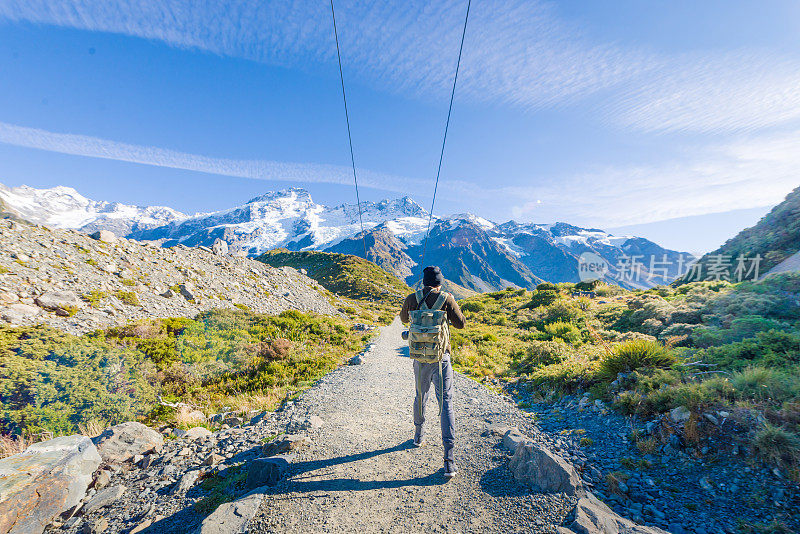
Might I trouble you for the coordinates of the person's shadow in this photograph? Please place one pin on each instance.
(295, 481)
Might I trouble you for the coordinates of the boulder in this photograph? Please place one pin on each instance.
(287, 443)
(233, 517)
(17, 313)
(188, 291)
(681, 414)
(512, 438)
(7, 297)
(186, 482)
(197, 433)
(102, 479)
(213, 459)
(105, 236)
(232, 420)
(59, 300)
(539, 468)
(45, 480)
(220, 247)
(591, 516)
(267, 471)
(122, 442)
(102, 498)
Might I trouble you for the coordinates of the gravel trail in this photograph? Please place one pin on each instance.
(362, 473)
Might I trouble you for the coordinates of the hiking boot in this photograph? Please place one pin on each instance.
(450, 469)
(419, 439)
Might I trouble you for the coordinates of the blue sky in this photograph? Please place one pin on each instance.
(680, 120)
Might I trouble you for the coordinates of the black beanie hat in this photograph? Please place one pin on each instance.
(432, 276)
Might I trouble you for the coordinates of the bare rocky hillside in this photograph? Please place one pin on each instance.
(78, 283)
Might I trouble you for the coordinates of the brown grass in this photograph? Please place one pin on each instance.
(91, 429)
(647, 446)
(10, 445)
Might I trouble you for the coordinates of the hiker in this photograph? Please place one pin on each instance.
(429, 311)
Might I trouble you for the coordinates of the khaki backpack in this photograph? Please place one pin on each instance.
(428, 331)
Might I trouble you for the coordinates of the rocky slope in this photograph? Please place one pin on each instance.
(482, 255)
(69, 280)
(774, 239)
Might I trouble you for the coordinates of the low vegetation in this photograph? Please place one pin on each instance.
(709, 347)
(54, 382)
(343, 274)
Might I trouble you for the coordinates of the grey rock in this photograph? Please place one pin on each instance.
(233, 517)
(95, 527)
(287, 443)
(267, 471)
(45, 480)
(213, 459)
(591, 516)
(512, 438)
(711, 418)
(188, 291)
(186, 482)
(102, 480)
(122, 442)
(197, 433)
(232, 420)
(220, 247)
(539, 468)
(58, 300)
(102, 498)
(141, 526)
(680, 414)
(19, 313)
(105, 236)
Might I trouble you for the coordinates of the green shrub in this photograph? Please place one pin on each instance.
(776, 445)
(559, 330)
(764, 384)
(635, 354)
(547, 286)
(541, 353)
(94, 297)
(563, 311)
(542, 298)
(127, 297)
(473, 306)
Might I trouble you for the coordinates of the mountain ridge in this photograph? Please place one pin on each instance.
(475, 253)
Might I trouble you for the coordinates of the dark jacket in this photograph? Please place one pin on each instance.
(454, 315)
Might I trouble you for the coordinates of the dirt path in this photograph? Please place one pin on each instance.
(363, 475)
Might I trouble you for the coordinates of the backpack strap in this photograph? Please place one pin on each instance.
(420, 296)
(440, 301)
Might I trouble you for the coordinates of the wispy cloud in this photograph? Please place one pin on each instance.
(518, 52)
(94, 147)
(745, 173)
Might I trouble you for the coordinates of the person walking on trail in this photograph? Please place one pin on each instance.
(429, 313)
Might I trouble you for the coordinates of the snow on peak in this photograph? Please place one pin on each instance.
(295, 194)
(64, 207)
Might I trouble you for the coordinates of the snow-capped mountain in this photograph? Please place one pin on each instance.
(64, 207)
(290, 219)
(474, 252)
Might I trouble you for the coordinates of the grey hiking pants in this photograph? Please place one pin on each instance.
(424, 374)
